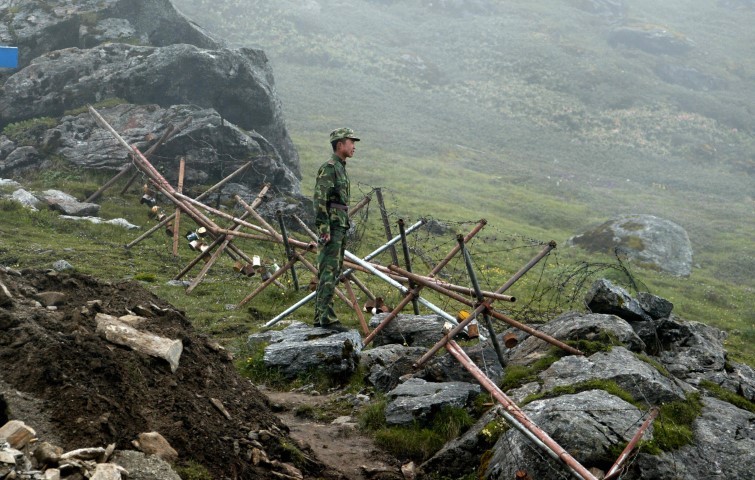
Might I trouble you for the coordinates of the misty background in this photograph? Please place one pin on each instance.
(609, 106)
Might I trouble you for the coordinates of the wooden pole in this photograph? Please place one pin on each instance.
(177, 220)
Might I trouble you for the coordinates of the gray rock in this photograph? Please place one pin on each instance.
(643, 238)
(723, 447)
(62, 265)
(236, 83)
(144, 467)
(461, 456)
(605, 297)
(178, 283)
(41, 27)
(213, 147)
(25, 198)
(654, 306)
(68, 205)
(615, 11)
(652, 39)
(411, 330)
(587, 425)
(8, 185)
(300, 348)
(575, 326)
(117, 30)
(418, 401)
(22, 159)
(690, 348)
(48, 299)
(445, 368)
(385, 364)
(640, 379)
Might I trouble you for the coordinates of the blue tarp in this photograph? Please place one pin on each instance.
(8, 57)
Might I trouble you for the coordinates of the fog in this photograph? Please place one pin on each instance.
(594, 100)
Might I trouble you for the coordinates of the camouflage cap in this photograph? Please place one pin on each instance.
(340, 133)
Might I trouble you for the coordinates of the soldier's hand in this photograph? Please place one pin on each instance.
(324, 239)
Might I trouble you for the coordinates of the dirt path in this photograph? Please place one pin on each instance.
(339, 445)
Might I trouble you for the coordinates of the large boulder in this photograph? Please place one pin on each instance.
(647, 239)
(41, 26)
(588, 425)
(68, 205)
(213, 148)
(300, 348)
(237, 83)
(412, 330)
(386, 364)
(691, 349)
(575, 326)
(723, 447)
(640, 379)
(418, 401)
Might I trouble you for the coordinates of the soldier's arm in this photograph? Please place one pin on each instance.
(323, 186)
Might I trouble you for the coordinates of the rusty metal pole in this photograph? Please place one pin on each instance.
(223, 240)
(200, 197)
(357, 310)
(519, 419)
(407, 260)
(386, 224)
(372, 255)
(615, 469)
(267, 282)
(409, 294)
(545, 251)
(289, 250)
(486, 305)
(350, 275)
(179, 189)
(480, 299)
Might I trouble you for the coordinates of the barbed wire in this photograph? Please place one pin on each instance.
(549, 295)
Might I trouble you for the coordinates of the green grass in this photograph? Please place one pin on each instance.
(672, 429)
(728, 396)
(598, 384)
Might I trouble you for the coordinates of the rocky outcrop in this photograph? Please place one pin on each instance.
(724, 447)
(142, 52)
(411, 330)
(300, 348)
(418, 401)
(238, 84)
(587, 424)
(41, 26)
(646, 239)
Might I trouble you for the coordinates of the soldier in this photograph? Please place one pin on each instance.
(332, 222)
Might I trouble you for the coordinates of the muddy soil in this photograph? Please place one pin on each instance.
(339, 445)
(60, 377)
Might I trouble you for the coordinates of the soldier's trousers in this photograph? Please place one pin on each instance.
(329, 265)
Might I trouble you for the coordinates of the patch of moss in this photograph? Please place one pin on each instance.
(491, 432)
(192, 470)
(146, 277)
(632, 226)
(673, 427)
(29, 132)
(728, 396)
(107, 103)
(655, 363)
(602, 342)
(517, 375)
(633, 242)
(597, 384)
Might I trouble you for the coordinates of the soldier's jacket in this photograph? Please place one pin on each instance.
(332, 186)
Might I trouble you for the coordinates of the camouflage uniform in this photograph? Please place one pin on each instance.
(331, 200)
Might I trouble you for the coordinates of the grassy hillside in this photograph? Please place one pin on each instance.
(517, 112)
